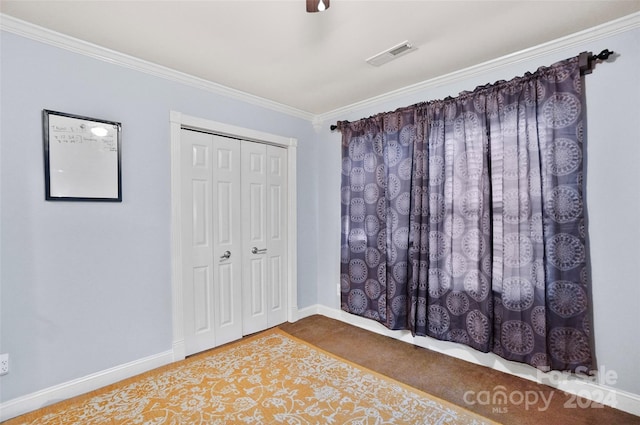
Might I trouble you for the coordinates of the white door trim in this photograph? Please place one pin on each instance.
(178, 121)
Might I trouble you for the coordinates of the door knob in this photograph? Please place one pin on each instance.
(226, 255)
(255, 250)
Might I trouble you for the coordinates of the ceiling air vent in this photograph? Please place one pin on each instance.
(391, 53)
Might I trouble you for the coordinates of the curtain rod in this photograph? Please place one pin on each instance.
(586, 60)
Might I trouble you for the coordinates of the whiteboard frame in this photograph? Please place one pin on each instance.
(76, 188)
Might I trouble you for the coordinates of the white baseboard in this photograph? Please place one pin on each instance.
(30, 402)
(310, 311)
(21, 405)
(584, 387)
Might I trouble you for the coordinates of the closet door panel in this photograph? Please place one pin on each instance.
(277, 235)
(227, 231)
(211, 240)
(197, 270)
(254, 214)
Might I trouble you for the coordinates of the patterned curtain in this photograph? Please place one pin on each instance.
(463, 219)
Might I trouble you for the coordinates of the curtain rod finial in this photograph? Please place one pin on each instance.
(338, 126)
(587, 60)
(604, 55)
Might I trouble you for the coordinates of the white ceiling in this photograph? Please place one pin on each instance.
(316, 62)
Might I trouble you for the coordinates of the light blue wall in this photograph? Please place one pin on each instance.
(87, 286)
(612, 196)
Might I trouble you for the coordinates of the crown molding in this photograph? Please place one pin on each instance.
(599, 32)
(56, 39)
(34, 32)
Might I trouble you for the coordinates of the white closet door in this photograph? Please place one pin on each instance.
(212, 241)
(264, 186)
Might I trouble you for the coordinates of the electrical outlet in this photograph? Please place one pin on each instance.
(4, 363)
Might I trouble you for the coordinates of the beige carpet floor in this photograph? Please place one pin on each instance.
(451, 379)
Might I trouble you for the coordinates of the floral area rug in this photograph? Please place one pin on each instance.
(269, 378)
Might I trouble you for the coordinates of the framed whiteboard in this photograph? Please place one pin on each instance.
(81, 158)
